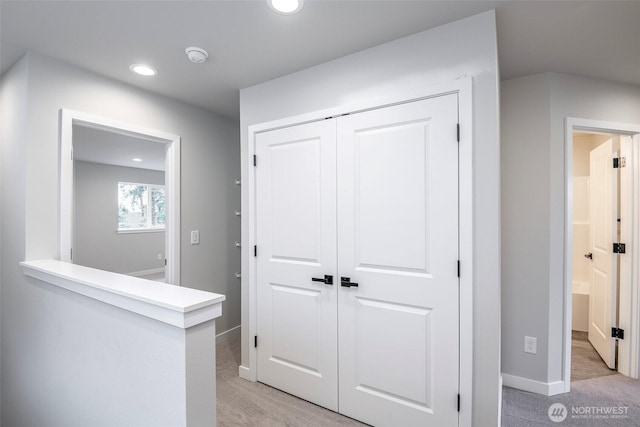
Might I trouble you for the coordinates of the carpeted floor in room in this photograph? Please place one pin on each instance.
(596, 393)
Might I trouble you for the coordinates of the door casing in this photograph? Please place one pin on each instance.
(463, 88)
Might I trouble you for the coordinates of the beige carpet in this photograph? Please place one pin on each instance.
(608, 401)
(599, 396)
(245, 403)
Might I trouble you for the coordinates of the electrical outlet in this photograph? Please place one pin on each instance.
(530, 345)
(195, 237)
(159, 257)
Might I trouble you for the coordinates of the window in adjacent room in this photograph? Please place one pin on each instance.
(141, 207)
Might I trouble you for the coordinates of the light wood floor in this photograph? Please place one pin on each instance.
(245, 403)
(586, 363)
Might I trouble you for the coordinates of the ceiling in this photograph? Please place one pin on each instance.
(250, 44)
(109, 148)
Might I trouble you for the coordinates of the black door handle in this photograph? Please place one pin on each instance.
(589, 255)
(347, 283)
(328, 279)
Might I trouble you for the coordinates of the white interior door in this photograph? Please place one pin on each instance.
(398, 240)
(603, 203)
(296, 235)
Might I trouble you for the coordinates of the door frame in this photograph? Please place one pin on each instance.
(630, 316)
(69, 118)
(463, 88)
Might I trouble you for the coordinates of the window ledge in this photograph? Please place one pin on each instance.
(139, 230)
(175, 305)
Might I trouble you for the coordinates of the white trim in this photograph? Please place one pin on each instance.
(172, 210)
(140, 230)
(634, 296)
(538, 387)
(172, 181)
(228, 334)
(246, 373)
(146, 272)
(500, 384)
(463, 87)
(465, 233)
(632, 335)
(177, 306)
(626, 272)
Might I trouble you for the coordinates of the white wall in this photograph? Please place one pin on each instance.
(35, 90)
(463, 48)
(13, 107)
(99, 361)
(533, 209)
(525, 223)
(97, 244)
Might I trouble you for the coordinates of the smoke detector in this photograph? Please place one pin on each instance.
(197, 55)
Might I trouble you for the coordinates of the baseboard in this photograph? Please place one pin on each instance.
(500, 383)
(146, 272)
(556, 387)
(246, 373)
(227, 335)
(533, 386)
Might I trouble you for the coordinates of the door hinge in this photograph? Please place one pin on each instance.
(458, 268)
(255, 251)
(255, 160)
(617, 333)
(165, 262)
(619, 162)
(255, 341)
(619, 248)
(458, 132)
(458, 402)
(71, 254)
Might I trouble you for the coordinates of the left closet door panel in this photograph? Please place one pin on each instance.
(296, 231)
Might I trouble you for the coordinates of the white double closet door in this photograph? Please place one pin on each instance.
(357, 263)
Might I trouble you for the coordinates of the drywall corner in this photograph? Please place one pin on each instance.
(525, 224)
(13, 133)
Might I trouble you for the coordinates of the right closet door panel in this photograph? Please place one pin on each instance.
(397, 181)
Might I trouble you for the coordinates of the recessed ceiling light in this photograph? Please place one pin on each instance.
(136, 159)
(286, 7)
(143, 70)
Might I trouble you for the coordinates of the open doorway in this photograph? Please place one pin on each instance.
(119, 201)
(601, 255)
(596, 268)
(168, 146)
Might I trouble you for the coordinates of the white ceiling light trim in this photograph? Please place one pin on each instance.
(143, 70)
(286, 7)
